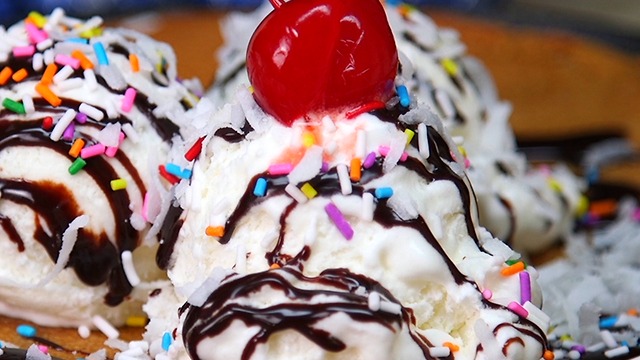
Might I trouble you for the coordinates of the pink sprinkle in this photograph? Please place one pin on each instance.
(339, 221)
(91, 151)
(81, 118)
(68, 133)
(467, 163)
(129, 98)
(63, 60)
(636, 214)
(145, 207)
(43, 348)
(384, 151)
(24, 51)
(112, 150)
(525, 287)
(369, 160)
(518, 309)
(35, 35)
(487, 294)
(280, 169)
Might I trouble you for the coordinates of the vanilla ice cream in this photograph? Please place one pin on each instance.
(88, 115)
(281, 249)
(528, 207)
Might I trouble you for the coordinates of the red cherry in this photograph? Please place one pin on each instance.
(311, 56)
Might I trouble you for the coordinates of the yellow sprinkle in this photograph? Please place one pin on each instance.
(450, 66)
(410, 133)
(251, 89)
(118, 184)
(583, 206)
(38, 19)
(88, 34)
(463, 151)
(566, 337)
(136, 321)
(308, 139)
(216, 231)
(555, 185)
(308, 190)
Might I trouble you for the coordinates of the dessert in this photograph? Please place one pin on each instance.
(328, 229)
(529, 207)
(88, 115)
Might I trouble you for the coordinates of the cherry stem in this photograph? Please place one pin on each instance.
(276, 3)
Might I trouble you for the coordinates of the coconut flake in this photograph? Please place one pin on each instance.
(34, 353)
(198, 297)
(308, 167)
(110, 134)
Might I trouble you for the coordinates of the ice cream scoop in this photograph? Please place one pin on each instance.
(88, 115)
(349, 233)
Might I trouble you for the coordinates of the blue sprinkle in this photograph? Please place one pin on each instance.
(78, 40)
(101, 54)
(27, 331)
(166, 341)
(403, 94)
(261, 187)
(593, 175)
(608, 322)
(383, 192)
(394, 2)
(177, 171)
(624, 343)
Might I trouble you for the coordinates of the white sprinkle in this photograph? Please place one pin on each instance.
(328, 123)
(617, 351)
(311, 234)
(596, 347)
(105, 327)
(345, 180)
(56, 15)
(373, 301)
(361, 144)
(27, 101)
(367, 206)
(574, 355)
(241, 259)
(439, 351)
(608, 339)
(390, 307)
(62, 124)
(129, 269)
(70, 84)
(84, 332)
(49, 56)
(37, 62)
(139, 344)
(34, 353)
(296, 193)
(63, 74)
(133, 353)
(92, 112)
(444, 101)
(90, 76)
(423, 140)
(44, 44)
(131, 133)
(537, 316)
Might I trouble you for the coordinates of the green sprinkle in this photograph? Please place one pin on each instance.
(77, 165)
(511, 262)
(14, 106)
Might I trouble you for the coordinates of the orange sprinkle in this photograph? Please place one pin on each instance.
(453, 347)
(275, 266)
(548, 355)
(76, 147)
(513, 269)
(135, 63)
(49, 72)
(355, 172)
(85, 63)
(5, 74)
(602, 208)
(633, 312)
(20, 75)
(48, 95)
(216, 231)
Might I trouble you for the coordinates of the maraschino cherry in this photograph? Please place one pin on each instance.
(314, 56)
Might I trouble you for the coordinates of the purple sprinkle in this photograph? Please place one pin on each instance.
(579, 348)
(338, 219)
(81, 117)
(525, 287)
(369, 160)
(68, 133)
(325, 167)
